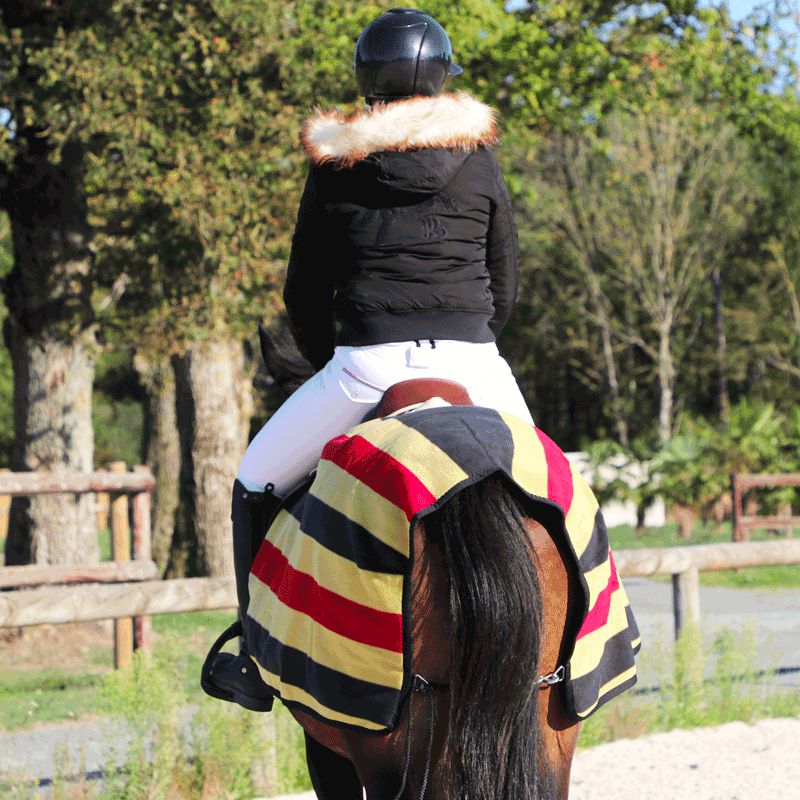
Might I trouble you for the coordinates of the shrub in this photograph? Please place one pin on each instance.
(694, 468)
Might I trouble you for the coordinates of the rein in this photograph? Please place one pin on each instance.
(425, 687)
(420, 686)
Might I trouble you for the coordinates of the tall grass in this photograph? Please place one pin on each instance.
(164, 749)
(698, 687)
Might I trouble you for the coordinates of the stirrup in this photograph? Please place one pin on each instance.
(249, 691)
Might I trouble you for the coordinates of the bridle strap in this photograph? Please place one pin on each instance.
(420, 686)
(558, 675)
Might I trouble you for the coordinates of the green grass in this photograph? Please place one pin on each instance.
(780, 577)
(193, 634)
(624, 537)
(48, 695)
(28, 696)
(196, 622)
(225, 752)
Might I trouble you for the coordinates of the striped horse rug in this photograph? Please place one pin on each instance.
(330, 583)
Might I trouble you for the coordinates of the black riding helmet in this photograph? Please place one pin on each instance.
(402, 53)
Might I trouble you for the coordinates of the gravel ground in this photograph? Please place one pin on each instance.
(732, 762)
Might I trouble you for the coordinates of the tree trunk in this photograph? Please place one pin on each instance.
(214, 372)
(722, 346)
(581, 229)
(163, 448)
(50, 335)
(620, 419)
(184, 545)
(686, 518)
(52, 399)
(666, 383)
(599, 305)
(245, 400)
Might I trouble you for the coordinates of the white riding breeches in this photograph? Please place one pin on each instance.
(351, 384)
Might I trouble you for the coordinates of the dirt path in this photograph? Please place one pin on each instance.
(732, 762)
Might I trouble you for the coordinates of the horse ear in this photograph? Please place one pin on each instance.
(283, 361)
(264, 343)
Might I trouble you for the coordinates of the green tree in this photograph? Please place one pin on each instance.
(644, 207)
(213, 172)
(579, 330)
(165, 139)
(50, 329)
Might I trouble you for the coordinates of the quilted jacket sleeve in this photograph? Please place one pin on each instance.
(502, 252)
(309, 289)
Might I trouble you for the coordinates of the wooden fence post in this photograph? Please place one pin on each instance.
(686, 599)
(102, 501)
(142, 551)
(736, 508)
(5, 510)
(747, 519)
(121, 551)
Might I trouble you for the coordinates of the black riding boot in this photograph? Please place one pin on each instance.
(226, 676)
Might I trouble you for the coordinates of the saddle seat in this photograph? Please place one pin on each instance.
(419, 390)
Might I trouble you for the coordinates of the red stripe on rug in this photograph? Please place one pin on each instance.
(598, 615)
(559, 473)
(383, 473)
(300, 592)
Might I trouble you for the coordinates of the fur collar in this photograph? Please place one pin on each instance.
(446, 120)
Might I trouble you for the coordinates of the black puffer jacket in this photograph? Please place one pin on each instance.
(405, 229)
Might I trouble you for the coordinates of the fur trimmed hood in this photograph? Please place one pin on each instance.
(453, 120)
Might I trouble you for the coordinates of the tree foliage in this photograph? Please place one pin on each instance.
(645, 144)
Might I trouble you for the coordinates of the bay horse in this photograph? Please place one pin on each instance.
(494, 608)
(492, 602)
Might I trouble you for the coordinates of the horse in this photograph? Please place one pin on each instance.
(494, 610)
(515, 627)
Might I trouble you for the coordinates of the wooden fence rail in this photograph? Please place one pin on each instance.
(118, 484)
(90, 603)
(743, 523)
(27, 483)
(106, 572)
(115, 601)
(684, 564)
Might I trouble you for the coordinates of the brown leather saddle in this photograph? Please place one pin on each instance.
(418, 390)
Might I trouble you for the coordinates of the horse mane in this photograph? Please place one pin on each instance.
(493, 749)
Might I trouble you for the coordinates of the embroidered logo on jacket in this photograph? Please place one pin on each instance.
(432, 228)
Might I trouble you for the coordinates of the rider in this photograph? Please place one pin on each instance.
(404, 264)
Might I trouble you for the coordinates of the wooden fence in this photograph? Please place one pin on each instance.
(54, 603)
(743, 523)
(142, 598)
(685, 564)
